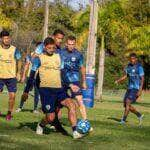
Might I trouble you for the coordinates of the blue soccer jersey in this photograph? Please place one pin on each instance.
(17, 54)
(71, 64)
(134, 73)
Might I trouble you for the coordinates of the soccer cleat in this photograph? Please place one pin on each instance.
(8, 117)
(140, 119)
(18, 110)
(39, 129)
(35, 111)
(122, 122)
(77, 135)
(91, 129)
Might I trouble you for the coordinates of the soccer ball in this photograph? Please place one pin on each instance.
(83, 126)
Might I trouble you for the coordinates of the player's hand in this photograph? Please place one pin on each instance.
(139, 93)
(24, 96)
(84, 86)
(74, 88)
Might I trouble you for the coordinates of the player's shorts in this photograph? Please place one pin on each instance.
(10, 83)
(51, 98)
(131, 94)
(70, 92)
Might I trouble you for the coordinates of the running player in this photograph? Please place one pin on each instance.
(24, 97)
(9, 57)
(135, 74)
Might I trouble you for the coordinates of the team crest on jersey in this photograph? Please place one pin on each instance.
(73, 59)
(133, 70)
(48, 107)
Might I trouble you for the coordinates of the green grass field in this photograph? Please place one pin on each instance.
(107, 135)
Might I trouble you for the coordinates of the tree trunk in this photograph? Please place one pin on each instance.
(101, 70)
(45, 34)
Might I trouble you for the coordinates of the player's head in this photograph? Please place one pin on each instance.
(49, 45)
(58, 37)
(5, 37)
(133, 58)
(71, 43)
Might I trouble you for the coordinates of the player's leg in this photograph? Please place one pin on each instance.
(36, 98)
(127, 104)
(12, 88)
(48, 108)
(1, 89)
(81, 105)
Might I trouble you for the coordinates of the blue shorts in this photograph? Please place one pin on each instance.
(131, 94)
(70, 92)
(51, 98)
(11, 84)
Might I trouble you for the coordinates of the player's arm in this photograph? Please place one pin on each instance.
(19, 63)
(141, 73)
(35, 65)
(26, 68)
(38, 50)
(121, 79)
(83, 72)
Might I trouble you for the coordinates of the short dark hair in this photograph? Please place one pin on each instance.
(58, 31)
(49, 40)
(4, 33)
(133, 55)
(72, 38)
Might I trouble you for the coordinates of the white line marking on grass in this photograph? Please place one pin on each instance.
(4, 135)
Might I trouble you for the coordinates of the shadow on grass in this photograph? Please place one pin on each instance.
(27, 110)
(115, 119)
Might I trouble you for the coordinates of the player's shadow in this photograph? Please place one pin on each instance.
(115, 119)
(27, 110)
(32, 126)
(3, 115)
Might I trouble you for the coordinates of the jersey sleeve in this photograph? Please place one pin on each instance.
(17, 54)
(39, 49)
(36, 63)
(141, 71)
(81, 60)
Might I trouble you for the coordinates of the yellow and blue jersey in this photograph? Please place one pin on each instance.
(8, 58)
(49, 68)
(134, 74)
(71, 64)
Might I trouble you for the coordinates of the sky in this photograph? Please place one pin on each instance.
(75, 3)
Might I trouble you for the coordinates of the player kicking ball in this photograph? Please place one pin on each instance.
(135, 74)
(73, 67)
(9, 56)
(51, 92)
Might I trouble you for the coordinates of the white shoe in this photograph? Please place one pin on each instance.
(140, 119)
(35, 111)
(77, 135)
(52, 127)
(18, 110)
(91, 129)
(122, 122)
(39, 129)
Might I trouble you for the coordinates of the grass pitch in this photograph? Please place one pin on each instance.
(108, 134)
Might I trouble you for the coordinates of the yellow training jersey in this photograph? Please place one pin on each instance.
(7, 62)
(49, 71)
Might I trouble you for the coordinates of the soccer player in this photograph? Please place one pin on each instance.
(58, 36)
(72, 68)
(135, 74)
(9, 73)
(51, 92)
(24, 97)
